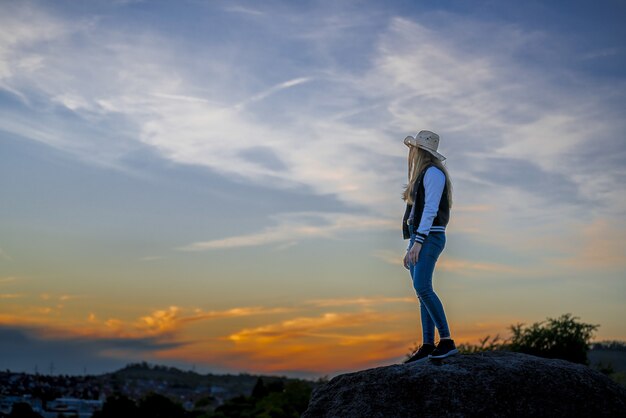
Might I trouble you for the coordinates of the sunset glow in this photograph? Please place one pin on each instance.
(218, 184)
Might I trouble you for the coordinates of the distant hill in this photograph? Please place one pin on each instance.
(229, 384)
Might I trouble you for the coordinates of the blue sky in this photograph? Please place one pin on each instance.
(223, 175)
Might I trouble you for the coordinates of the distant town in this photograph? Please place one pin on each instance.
(189, 394)
(82, 396)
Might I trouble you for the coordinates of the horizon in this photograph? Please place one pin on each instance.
(192, 369)
(219, 183)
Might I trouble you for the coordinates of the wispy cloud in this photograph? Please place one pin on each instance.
(458, 266)
(295, 226)
(474, 268)
(10, 295)
(394, 258)
(243, 10)
(282, 86)
(360, 301)
(467, 87)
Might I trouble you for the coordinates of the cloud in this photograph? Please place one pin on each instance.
(173, 320)
(157, 101)
(360, 301)
(461, 267)
(318, 344)
(274, 89)
(24, 348)
(10, 295)
(394, 258)
(169, 322)
(200, 315)
(334, 132)
(293, 227)
(160, 321)
(243, 10)
(504, 120)
(477, 268)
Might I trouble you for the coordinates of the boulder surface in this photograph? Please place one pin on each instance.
(486, 384)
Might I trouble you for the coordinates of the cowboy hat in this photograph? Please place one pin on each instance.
(425, 140)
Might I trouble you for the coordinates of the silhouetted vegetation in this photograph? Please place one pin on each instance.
(496, 343)
(152, 405)
(562, 338)
(117, 405)
(23, 410)
(158, 406)
(273, 400)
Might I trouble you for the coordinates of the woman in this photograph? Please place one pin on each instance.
(428, 197)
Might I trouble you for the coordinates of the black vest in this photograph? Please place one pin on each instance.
(443, 213)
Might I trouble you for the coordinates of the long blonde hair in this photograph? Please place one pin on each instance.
(418, 159)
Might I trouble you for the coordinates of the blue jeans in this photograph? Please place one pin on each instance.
(431, 308)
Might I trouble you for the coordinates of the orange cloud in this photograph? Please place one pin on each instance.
(322, 343)
(200, 315)
(362, 301)
(160, 321)
(312, 341)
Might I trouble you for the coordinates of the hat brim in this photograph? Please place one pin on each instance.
(410, 141)
(435, 153)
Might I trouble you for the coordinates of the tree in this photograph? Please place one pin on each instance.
(259, 390)
(562, 338)
(117, 406)
(155, 405)
(23, 410)
(275, 399)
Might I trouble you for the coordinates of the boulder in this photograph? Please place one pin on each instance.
(486, 384)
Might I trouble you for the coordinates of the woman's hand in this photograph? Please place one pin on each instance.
(413, 254)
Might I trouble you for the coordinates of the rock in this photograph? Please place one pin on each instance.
(486, 384)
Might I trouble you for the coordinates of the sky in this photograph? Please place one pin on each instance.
(217, 185)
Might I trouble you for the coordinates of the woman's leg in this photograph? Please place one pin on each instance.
(428, 325)
(431, 308)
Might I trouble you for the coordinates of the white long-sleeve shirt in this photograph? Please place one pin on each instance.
(434, 182)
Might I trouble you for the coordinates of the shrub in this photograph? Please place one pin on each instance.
(562, 338)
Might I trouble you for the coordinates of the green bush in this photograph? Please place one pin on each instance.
(561, 338)
(273, 400)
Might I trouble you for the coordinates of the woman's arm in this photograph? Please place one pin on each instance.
(434, 183)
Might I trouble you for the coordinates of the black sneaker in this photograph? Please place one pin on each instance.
(421, 354)
(444, 349)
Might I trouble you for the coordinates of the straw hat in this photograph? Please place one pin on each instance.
(426, 140)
